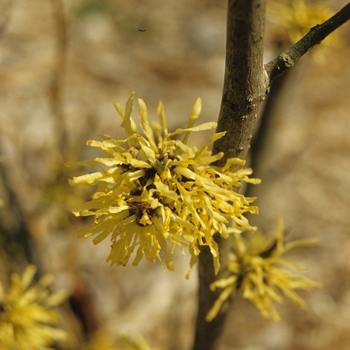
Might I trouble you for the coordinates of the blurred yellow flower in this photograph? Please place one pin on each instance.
(156, 193)
(294, 18)
(28, 318)
(258, 268)
(135, 343)
(104, 339)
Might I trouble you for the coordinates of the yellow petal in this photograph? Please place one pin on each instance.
(218, 304)
(202, 127)
(128, 124)
(145, 124)
(162, 118)
(196, 110)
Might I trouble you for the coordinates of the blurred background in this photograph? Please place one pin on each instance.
(62, 65)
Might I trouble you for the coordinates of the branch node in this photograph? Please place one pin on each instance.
(287, 60)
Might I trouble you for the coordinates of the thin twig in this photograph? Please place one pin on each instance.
(58, 74)
(288, 58)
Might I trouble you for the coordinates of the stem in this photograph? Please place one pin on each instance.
(245, 86)
(244, 89)
(288, 58)
(245, 81)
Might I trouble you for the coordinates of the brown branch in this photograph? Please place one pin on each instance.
(245, 81)
(288, 58)
(55, 92)
(245, 86)
(244, 89)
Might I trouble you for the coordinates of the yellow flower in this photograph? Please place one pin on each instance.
(28, 320)
(135, 343)
(257, 267)
(104, 339)
(293, 20)
(156, 193)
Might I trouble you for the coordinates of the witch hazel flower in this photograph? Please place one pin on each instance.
(258, 267)
(156, 193)
(29, 317)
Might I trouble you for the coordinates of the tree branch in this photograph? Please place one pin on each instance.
(245, 81)
(245, 86)
(288, 58)
(244, 89)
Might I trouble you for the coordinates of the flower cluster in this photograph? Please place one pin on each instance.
(257, 267)
(293, 20)
(156, 193)
(28, 318)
